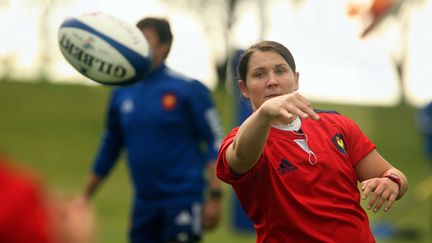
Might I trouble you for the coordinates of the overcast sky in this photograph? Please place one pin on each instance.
(334, 63)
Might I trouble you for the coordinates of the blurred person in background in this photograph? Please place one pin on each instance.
(296, 170)
(170, 129)
(29, 215)
(425, 125)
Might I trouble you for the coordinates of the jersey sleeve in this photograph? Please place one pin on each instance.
(205, 118)
(223, 170)
(358, 144)
(111, 141)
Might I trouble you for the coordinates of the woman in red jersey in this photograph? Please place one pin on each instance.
(295, 169)
(29, 215)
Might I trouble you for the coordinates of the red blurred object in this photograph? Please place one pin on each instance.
(378, 10)
(24, 216)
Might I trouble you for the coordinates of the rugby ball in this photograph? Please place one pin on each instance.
(104, 48)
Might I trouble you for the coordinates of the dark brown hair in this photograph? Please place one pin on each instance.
(273, 46)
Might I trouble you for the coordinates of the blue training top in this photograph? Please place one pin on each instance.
(170, 129)
(425, 124)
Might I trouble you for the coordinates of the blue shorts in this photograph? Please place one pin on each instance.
(171, 224)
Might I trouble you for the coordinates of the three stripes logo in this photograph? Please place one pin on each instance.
(286, 167)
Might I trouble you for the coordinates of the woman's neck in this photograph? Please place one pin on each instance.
(293, 125)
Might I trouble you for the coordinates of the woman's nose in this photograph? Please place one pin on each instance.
(272, 80)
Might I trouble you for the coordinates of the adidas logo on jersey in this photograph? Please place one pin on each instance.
(286, 167)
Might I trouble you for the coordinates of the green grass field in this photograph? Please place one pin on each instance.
(54, 130)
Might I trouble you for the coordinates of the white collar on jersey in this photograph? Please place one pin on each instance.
(293, 126)
(303, 143)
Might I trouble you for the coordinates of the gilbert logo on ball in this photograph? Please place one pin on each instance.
(105, 48)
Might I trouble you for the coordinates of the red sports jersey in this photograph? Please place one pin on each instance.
(23, 214)
(290, 198)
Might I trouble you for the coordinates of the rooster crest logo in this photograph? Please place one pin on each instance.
(339, 143)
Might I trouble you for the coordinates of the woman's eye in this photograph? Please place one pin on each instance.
(280, 70)
(259, 74)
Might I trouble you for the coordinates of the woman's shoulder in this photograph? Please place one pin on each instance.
(332, 117)
(329, 115)
(330, 112)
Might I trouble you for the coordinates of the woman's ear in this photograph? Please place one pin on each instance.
(297, 75)
(243, 88)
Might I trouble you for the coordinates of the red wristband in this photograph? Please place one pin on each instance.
(395, 178)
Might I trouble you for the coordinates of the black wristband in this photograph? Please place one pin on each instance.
(215, 194)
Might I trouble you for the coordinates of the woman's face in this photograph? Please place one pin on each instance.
(268, 76)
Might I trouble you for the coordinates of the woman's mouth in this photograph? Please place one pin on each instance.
(271, 96)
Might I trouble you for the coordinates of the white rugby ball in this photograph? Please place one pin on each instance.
(105, 48)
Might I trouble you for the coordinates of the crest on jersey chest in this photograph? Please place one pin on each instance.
(169, 101)
(339, 143)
